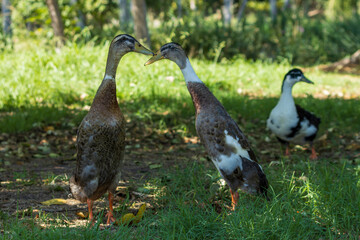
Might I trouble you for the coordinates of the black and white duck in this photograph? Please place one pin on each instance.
(288, 121)
(101, 134)
(224, 142)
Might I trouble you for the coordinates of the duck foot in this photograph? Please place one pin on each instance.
(287, 151)
(313, 155)
(234, 199)
(110, 218)
(91, 216)
(110, 215)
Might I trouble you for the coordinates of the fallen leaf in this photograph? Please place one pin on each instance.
(154, 166)
(140, 213)
(55, 201)
(131, 218)
(82, 215)
(353, 146)
(322, 137)
(54, 155)
(45, 149)
(127, 218)
(143, 190)
(49, 128)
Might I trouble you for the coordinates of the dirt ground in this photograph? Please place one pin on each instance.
(35, 166)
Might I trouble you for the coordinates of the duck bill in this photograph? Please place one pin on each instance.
(305, 79)
(155, 58)
(141, 49)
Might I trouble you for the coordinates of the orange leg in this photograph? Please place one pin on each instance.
(110, 214)
(287, 151)
(90, 206)
(313, 155)
(234, 198)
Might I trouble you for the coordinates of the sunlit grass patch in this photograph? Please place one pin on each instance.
(42, 86)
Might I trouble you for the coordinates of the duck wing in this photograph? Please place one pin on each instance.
(302, 113)
(215, 133)
(100, 153)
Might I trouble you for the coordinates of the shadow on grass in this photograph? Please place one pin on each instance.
(341, 114)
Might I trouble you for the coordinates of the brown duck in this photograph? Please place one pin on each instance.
(101, 134)
(226, 145)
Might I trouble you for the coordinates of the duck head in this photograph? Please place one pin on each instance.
(172, 51)
(125, 43)
(121, 45)
(293, 76)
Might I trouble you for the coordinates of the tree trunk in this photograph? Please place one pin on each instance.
(125, 14)
(56, 21)
(6, 12)
(273, 10)
(81, 21)
(227, 11)
(286, 5)
(306, 7)
(330, 9)
(355, 7)
(179, 8)
(241, 10)
(192, 5)
(348, 64)
(138, 11)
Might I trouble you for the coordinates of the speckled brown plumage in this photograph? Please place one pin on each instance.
(101, 134)
(226, 145)
(211, 122)
(100, 142)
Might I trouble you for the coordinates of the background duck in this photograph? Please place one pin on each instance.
(226, 145)
(288, 121)
(101, 134)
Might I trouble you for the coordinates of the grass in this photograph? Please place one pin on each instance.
(310, 200)
(42, 86)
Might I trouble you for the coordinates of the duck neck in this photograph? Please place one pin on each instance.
(189, 73)
(106, 93)
(112, 62)
(286, 97)
(200, 94)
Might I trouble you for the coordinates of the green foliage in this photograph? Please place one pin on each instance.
(299, 40)
(327, 36)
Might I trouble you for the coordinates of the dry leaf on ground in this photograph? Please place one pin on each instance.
(55, 201)
(129, 217)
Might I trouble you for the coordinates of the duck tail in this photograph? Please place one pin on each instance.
(76, 190)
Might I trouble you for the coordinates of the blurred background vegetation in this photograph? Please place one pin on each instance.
(302, 32)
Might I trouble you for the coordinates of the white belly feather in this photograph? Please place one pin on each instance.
(281, 124)
(229, 163)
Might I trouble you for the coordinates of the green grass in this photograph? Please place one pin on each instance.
(41, 86)
(309, 201)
